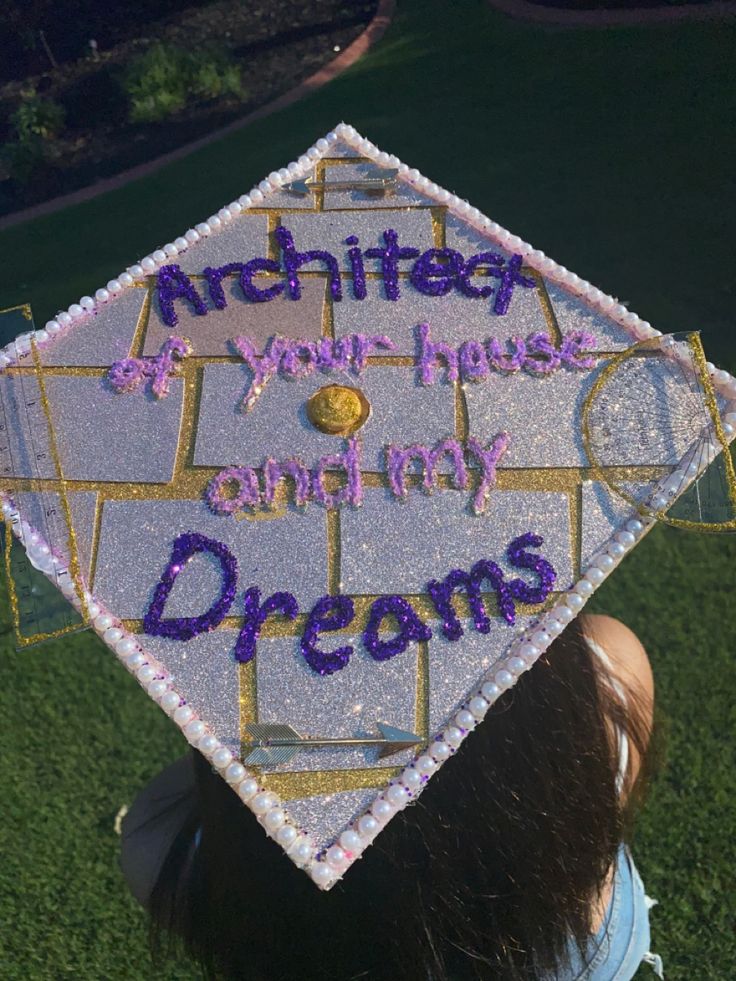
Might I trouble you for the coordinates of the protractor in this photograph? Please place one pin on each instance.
(655, 432)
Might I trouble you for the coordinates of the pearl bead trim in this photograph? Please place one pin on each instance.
(326, 869)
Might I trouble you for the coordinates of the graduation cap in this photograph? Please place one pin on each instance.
(330, 470)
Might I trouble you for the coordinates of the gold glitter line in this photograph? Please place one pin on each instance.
(422, 691)
(193, 376)
(333, 551)
(24, 307)
(575, 506)
(696, 349)
(319, 192)
(438, 225)
(546, 305)
(272, 247)
(247, 695)
(138, 341)
(95, 544)
(74, 569)
(462, 417)
(328, 313)
(315, 783)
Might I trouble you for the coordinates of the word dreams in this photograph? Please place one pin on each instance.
(332, 613)
(236, 488)
(435, 272)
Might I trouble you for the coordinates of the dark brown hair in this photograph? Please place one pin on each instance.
(488, 875)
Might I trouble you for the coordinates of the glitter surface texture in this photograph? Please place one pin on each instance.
(427, 536)
(324, 518)
(278, 425)
(345, 704)
(101, 338)
(284, 553)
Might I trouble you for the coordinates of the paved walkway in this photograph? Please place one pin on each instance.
(373, 32)
(560, 17)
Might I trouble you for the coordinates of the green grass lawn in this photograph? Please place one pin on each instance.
(613, 152)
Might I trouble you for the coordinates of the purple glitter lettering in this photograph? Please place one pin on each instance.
(506, 362)
(293, 261)
(256, 614)
(572, 346)
(469, 269)
(441, 595)
(521, 559)
(299, 359)
(399, 459)
(488, 459)
(274, 472)
(435, 278)
(247, 493)
(328, 613)
(349, 461)
(390, 255)
(173, 284)
(473, 361)
(429, 351)
(357, 267)
(252, 292)
(410, 627)
(364, 344)
(510, 277)
(184, 628)
(129, 374)
(214, 279)
(547, 360)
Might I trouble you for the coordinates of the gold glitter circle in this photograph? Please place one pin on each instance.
(338, 410)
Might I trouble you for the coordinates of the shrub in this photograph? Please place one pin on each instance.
(165, 78)
(37, 117)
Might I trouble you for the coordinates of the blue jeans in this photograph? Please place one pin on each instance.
(622, 943)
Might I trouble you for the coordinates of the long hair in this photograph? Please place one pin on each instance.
(489, 874)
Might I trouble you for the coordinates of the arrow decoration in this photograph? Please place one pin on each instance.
(275, 743)
(385, 184)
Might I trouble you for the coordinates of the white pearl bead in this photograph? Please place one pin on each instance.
(478, 706)
(170, 701)
(63, 318)
(136, 270)
(181, 243)
(234, 208)
(542, 639)
(464, 719)
(425, 763)
(382, 810)
(564, 613)
(529, 650)
(397, 795)
(234, 772)
(336, 856)
(320, 873)
(265, 186)
(262, 802)
(625, 538)
(170, 250)
(102, 295)
(115, 286)
(554, 627)
(146, 673)
(727, 429)
(603, 562)
(439, 751)
(222, 757)
(256, 196)
(43, 335)
(301, 851)
(194, 730)
(367, 825)
(584, 587)
(635, 526)
(412, 778)
(517, 665)
(574, 601)
(75, 311)
(504, 679)
(225, 215)
(87, 303)
(183, 714)
(615, 549)
(203, 228)
(148, 265)
(453, 736)
(350, 840)
(729, 418)
(157, 688)
(102, 622)
(286, 835)
(126, 646)
(594, 575)
(274, 819)
(248, 789)
(135, 660)
(490, 691)
(721, 377)
(112, 635)
(245, 201)
(215, 222)
(191, 235)
(208, 744)
(52, 327)
(659, 502)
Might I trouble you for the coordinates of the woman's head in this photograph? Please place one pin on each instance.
(485, 876)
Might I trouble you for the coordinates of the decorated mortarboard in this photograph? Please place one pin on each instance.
(329, 471)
